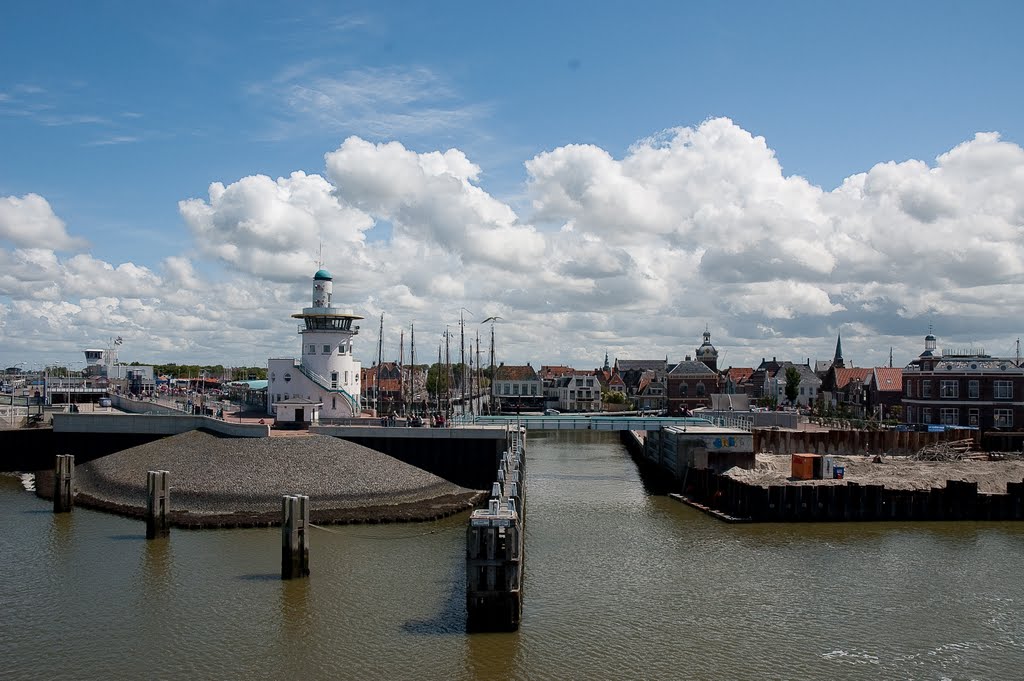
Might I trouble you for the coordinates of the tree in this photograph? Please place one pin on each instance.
(437, 379)
(613, 397)
(792, 384)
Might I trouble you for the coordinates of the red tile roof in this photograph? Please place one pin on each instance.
(844, 376)
(509, 372)
(888, 379)
(738, 374)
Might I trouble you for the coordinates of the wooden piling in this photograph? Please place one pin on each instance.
(158, 504)
(294, 536)
(64, 484)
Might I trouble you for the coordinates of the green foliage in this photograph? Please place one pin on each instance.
(613, 397)
(792, 384)
(769, 401)
(437, 379)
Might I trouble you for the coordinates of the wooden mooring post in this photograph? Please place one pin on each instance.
(494, 549)
(64, 483)
(295, 536)
(158, 504)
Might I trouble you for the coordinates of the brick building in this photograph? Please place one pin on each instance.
(963, 388)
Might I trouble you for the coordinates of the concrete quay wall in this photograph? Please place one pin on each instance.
(466, 456)
(154, 424)
(734, 500)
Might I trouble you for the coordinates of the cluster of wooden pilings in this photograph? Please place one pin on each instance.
(732, 499)
(294, 519)
(494, 546)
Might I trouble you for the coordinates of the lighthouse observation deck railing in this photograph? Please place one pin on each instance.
(326, 385)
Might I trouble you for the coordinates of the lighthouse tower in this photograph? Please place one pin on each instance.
(326, 379)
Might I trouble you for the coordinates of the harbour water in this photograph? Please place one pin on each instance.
(619, 584)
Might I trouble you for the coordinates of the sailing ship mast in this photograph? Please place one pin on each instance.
(376, 380)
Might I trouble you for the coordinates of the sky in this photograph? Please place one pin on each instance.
(605, 178)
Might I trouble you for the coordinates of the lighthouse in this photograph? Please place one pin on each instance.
(324, 383)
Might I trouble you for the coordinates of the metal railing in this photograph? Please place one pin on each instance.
(325, 384)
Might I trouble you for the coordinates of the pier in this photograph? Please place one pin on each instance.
(494, 547)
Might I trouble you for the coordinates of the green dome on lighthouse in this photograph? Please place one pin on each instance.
(322, 275)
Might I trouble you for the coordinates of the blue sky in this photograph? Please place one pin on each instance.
(116, 112)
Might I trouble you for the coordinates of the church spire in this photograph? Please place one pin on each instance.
(837, 361)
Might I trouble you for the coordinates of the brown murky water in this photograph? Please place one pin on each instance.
(619, 584)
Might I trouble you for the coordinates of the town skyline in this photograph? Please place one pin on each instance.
(780, 180)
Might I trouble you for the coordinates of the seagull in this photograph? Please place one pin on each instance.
(490, 319)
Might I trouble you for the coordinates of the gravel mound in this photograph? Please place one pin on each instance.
(218, 481)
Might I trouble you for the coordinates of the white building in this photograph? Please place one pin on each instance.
(327, 375)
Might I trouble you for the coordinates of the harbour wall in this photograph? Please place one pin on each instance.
(734, 500)
(847, 442)
(465, 456)
(704, 486)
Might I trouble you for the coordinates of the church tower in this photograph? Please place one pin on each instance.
(707, 353)
(837, 361)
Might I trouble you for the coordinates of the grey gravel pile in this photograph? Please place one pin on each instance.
(214, 475)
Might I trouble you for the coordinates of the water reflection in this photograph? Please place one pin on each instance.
(619, 584)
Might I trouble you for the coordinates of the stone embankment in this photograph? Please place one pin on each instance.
(229, 482)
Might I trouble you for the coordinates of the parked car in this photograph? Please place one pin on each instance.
(105, 402)
(551, 412)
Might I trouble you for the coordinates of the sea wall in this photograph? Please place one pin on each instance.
(847, 442)
(736, 500)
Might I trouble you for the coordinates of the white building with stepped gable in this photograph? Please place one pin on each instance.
(324, 383)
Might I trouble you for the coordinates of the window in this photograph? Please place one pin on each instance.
(949, 416)
(327, 349)
(910, 389)
(515, 389)
(972, 417)
(910, 414)
(1003, 418)
(926, 415)
(949, 389)
(700, 389)
(683, 388)
(505, 389)
(1002, 390)
(801, 391)
(926, 390)
(334, 379)
(312, 348)
(334, 402)
(972, 391)
(533, 389)
(341, 349)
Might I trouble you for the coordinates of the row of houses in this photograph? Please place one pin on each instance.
(943, 388)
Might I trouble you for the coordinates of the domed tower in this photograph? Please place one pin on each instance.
(931, 346)
(327, 374)
(707, 353)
